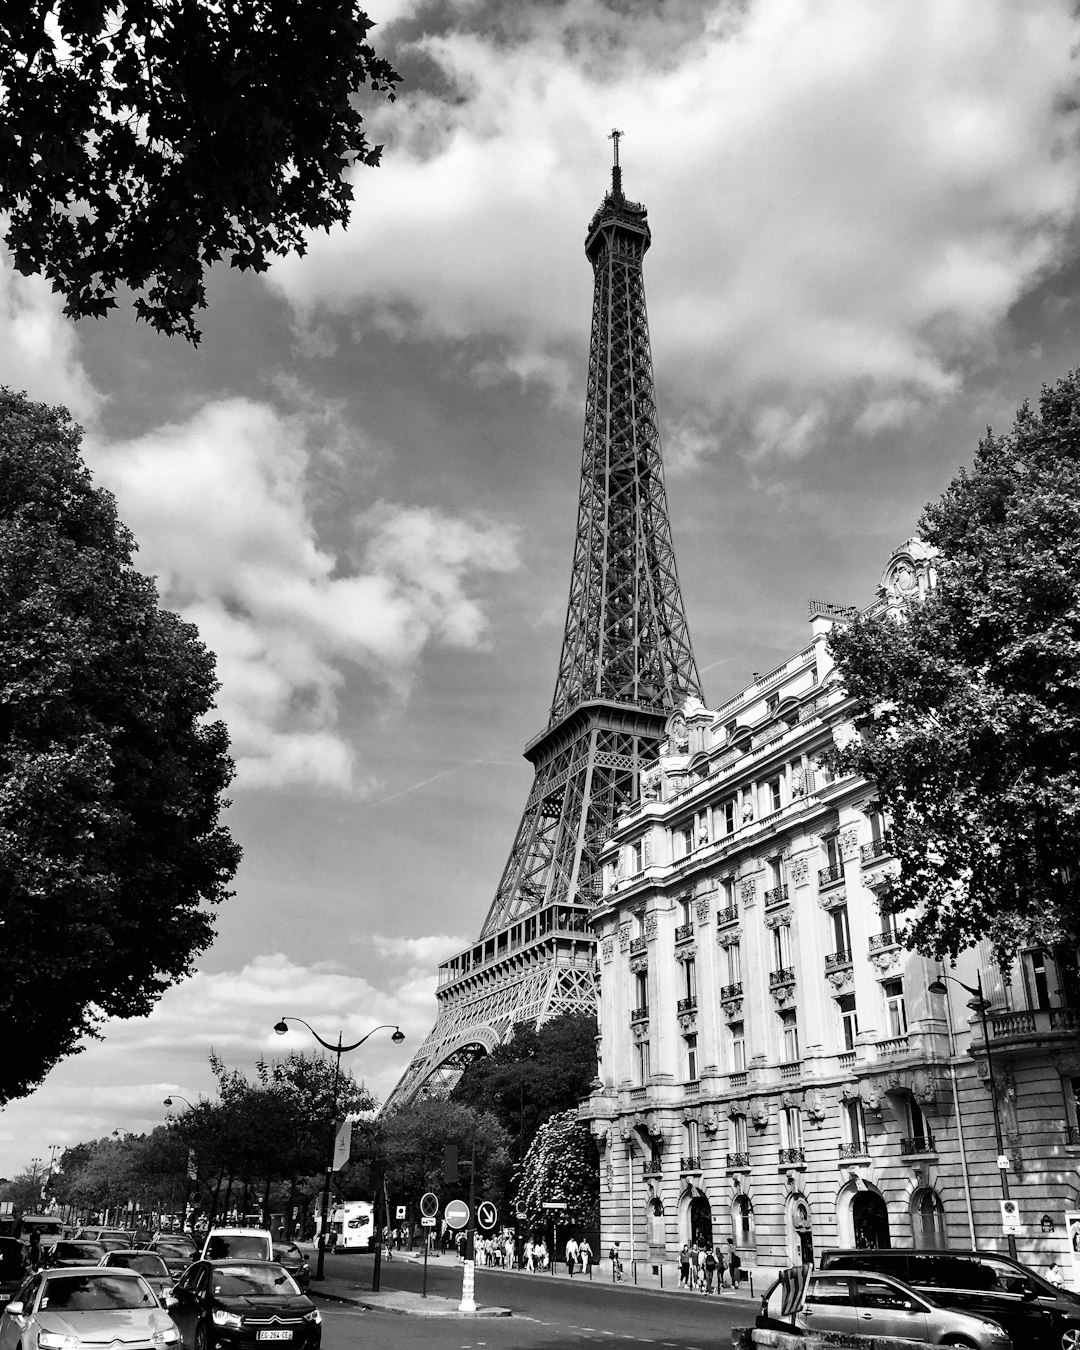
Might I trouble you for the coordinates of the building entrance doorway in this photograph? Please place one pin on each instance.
(701, 1221)
(802, 1232)
(870, 1220)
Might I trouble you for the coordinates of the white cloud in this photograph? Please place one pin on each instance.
(218, 504)
(847, 198)
(118, 1083)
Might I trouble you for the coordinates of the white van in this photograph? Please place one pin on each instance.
(238, 1244)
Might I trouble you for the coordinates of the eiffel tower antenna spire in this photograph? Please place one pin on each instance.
(626, 665)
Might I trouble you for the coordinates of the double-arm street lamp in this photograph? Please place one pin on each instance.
(939, 986)
(169, 1101)
(281, 1028)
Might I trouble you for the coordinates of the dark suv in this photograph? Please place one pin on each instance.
(1036, 1314)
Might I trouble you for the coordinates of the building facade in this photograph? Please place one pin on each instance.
(775, 1068)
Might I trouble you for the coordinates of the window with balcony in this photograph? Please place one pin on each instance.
(691, 1146)
(688, 983)
(641, 1062)
(919, 1139)
(1037, 968)
(685, 910)
(637, 857)
(895, 1007)
(737, 1047)
(789, 1036)
(781, 947)
(849, 1021)
(725, 817)
(853, 1125)
(691, 1058)
(739, 1154)
(791, 1135)
(841, 930)
(641, 993)
(733, 964)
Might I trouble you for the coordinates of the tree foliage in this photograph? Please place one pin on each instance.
(536, 1074)
(969, 707)
(562, 1164)
(412, 1140)
(111, 778)
(142, 141)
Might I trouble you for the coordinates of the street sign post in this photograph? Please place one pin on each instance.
(553, 1204)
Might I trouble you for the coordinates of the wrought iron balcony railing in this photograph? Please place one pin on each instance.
(876, 848)
(640, 1015)
(637, 945)
(730, 991)
(880, 941)
(691, 1164)
(684, 932)
(829, 876)
(854, 1150)
(785, 975)
(738, 1159)
(919, 1143)
(776, 896)
(687, 1004)
(838, 960)
(729, 915)
(792, 1155)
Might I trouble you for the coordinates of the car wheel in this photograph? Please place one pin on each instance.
(200, 1337)
(1070, 1338)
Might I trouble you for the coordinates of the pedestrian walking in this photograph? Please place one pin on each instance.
(684, 1266)
(616, 1263)
(710, 1267)
(571, 1255)
(721, 1270)
(528, 1255)
(735, 1263)
(585, 1256)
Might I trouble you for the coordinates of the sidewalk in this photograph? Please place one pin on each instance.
(345, 1289)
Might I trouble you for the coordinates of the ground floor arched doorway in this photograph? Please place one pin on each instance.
(800, 1231)
(701, 1221)
(870, 1220)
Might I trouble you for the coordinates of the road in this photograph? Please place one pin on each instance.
(548, 1312)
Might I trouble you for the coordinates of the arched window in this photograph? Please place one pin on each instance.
(742, 1221)
(928, 1220)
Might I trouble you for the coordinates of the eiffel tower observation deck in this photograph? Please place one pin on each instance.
(626, 665)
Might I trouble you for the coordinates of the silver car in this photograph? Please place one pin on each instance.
(66, 1308)
(857, 1302)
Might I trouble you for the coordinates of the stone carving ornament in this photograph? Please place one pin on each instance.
(841, 979)
(780, 919)
(830, 900)
(800, 872)
(747, 892)
(640, 1030)
(886, 960)
(686, 953)
(687, 1021)
(701, 908)
(650, 927)
(608, 949)
(783, 993)
(849, 841)
(638, 963)
(624, 937)
(727, 937)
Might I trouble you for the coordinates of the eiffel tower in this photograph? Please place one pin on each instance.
(626, 665)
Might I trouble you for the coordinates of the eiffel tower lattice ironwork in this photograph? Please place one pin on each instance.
(626, 665)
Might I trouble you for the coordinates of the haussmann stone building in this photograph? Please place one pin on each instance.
(775, 1069)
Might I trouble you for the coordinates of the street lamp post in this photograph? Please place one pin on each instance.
(939, 986)
(168, 1102)
(281, 1028)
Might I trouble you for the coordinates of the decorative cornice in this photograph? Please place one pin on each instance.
(781, 919)
(830, 900)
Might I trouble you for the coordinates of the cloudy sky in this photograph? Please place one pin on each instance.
(362, 485)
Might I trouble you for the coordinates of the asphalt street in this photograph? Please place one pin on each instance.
(547, 1311)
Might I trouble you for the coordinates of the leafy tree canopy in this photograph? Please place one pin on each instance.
(534, 1075)
(562, 1164)
(410, 1143)
(142, 141)
(970, 704)
(111, 778)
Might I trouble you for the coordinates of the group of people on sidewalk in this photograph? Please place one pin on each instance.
(703, 1265)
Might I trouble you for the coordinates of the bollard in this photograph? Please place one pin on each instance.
(661, 1274)
(635, 1272)
(468, 1287)
(751, 1284)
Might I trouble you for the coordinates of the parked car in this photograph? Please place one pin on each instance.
(177, 1238)
(69, 1252)
(80, 1305)
(148, 1264)
(176, 1258)
(49, 1228)
(238, 1244)
(860, 1302)
(1035, 1313)
(12, 1267)
(112, 1239)
(237, 1303)
(289, 1255)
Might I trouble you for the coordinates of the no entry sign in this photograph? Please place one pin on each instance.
(457, 1214)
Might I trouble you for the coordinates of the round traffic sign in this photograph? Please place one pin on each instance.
(429, 1204)
(487, 1216)
(457, 1214)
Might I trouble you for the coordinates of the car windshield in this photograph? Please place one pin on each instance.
(88, 1252)
(239, 1246)
(171, 1253)
(242, 1281)
(96, 1293)
(146, 1263)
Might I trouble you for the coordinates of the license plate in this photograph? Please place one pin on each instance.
(273, 1336)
